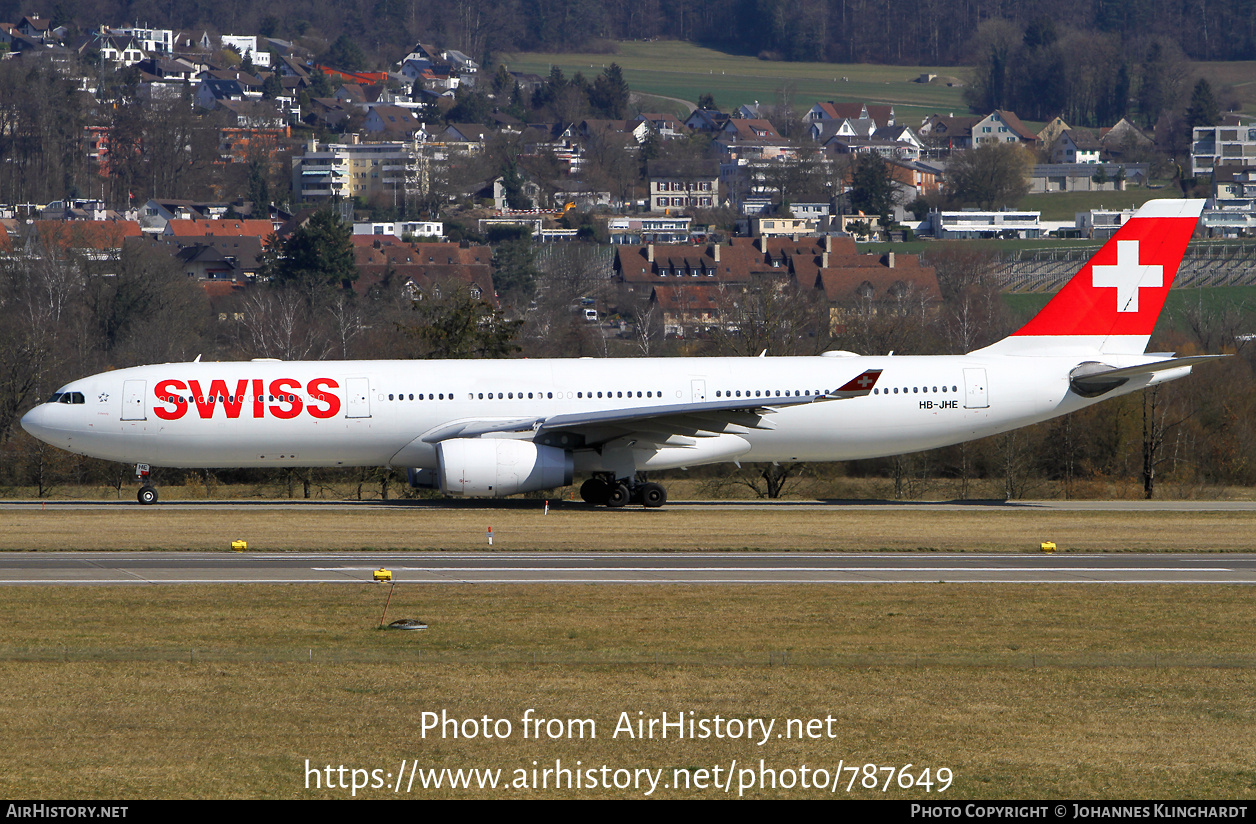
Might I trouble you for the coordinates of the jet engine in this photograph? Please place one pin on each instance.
(497, 467)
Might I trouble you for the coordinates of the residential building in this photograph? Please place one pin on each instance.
(966, 132)
(975, 224)
(348, 170)
(645, 229)
(778, 226)
(422, 270)
(1233, 188)
(153, 41)
(1075, 146)
(680, 184)
(402, 229)
(1086, 177)
(1212, 146)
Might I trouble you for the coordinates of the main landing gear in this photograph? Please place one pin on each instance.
(148, 493)
(606, 489)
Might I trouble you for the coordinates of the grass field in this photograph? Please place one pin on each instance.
(1022, 692)
(1065, 205)
(576, 528)
(673, 69)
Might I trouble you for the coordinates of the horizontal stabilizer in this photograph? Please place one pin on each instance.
(1091, 379)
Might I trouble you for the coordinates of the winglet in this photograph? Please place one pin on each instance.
(858, 386)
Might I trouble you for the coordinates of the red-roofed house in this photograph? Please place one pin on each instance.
(422, 269)
(213, 228)
(94, 237)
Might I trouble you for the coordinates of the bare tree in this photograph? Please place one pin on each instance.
(276, 323)
(1164, 413)
(773, 315)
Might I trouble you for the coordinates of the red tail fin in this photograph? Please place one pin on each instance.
(1113, 302)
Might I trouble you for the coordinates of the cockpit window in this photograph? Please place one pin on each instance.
(56, 396)
(67, 397)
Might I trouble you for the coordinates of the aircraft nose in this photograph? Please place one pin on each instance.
(36, 423)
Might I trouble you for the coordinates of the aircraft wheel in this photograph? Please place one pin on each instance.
(653, 495)
(619, 496)
(147, 495)
(595, 491)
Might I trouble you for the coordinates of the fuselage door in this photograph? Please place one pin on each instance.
(133, 406)
(359, 398)
(976, 395)
(699, 391)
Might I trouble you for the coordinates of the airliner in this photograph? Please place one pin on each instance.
(492, 428)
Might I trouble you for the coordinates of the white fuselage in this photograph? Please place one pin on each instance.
(374, 413)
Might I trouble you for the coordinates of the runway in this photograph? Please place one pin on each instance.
(526, 504)
(133, 568)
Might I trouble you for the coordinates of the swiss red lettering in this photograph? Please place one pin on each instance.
(169, 393)
(218, 396)
(285, 388)
(319, 394)
(175, 396)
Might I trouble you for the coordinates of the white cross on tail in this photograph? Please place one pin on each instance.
(1127, 276)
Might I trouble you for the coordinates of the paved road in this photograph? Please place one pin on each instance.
(621, 568)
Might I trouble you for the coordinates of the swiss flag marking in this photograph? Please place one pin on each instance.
(862, 382)
(1127, 276)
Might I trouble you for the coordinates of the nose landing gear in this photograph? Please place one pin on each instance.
(148, 493)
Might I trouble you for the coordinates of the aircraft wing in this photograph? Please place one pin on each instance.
(657, 423)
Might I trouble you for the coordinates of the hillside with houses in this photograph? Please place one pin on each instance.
(168, 193)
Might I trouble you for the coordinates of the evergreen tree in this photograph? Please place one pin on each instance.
(458, 325)
(259, 188)
(272, 86)
(609, 95)
(316, 256)
(1203, 110)
(515, 270)
(345, 54)
(872, 188)
(1152, 91)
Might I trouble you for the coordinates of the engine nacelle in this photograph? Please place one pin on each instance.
(497, 467)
